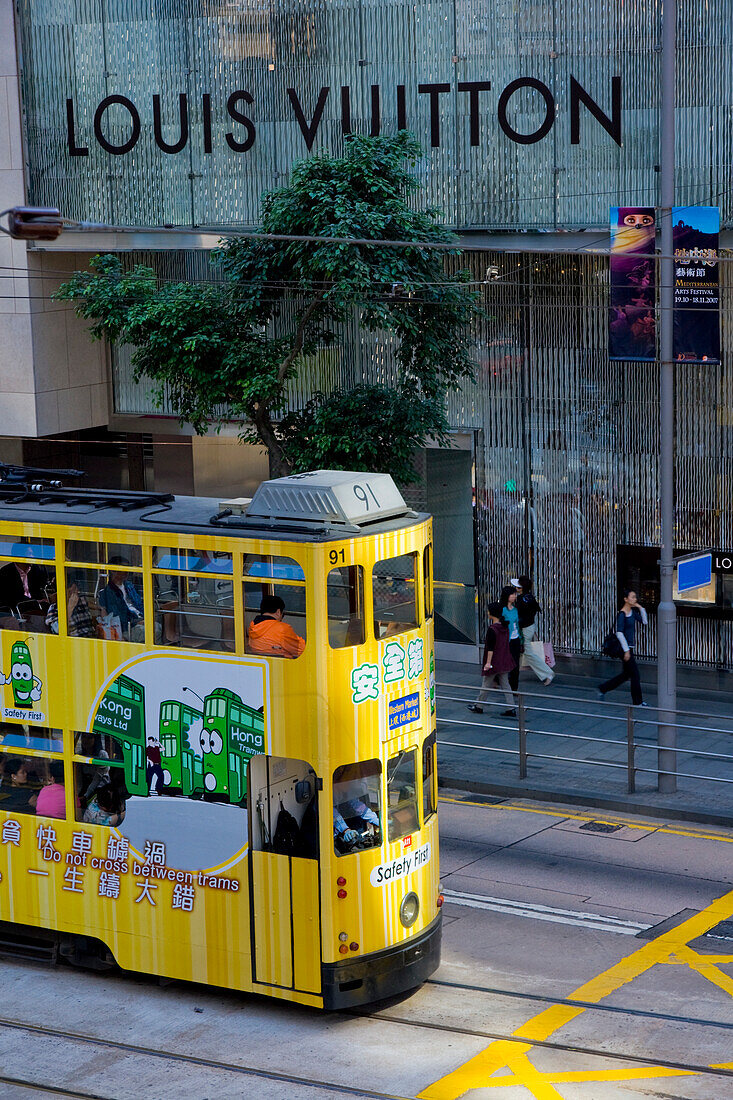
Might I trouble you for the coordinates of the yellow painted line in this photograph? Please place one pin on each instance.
(671, 946)
(578, 1076)
(644, 826)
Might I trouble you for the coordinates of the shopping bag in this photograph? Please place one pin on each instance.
(110, 628)
(549, 654)
(533, 649)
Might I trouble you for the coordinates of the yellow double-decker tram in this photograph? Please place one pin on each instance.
(217, 748)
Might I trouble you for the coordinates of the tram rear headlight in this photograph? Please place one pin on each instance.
(409, 909)
(342, 893)
(341, 881)
(353, 946)
(343, 936)
(343, 949)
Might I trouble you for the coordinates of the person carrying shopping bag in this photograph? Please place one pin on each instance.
(529, 609)
(496, 664)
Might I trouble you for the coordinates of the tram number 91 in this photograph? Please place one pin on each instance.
(364, 493)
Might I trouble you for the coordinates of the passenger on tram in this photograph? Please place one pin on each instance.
(106, 807)
(23, 596)
(269, 636)
(51, 800)
(16, 793)
(79, 619)
(120, 598)
(90, 776)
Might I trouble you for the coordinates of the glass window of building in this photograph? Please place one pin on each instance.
(395, 595)
(345, 597)
(274, 606)
(357, 807)
(402, 812)
(27, 584)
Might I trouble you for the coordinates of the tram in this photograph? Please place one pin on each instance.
(226, 713)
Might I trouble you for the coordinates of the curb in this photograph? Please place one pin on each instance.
(598, 801)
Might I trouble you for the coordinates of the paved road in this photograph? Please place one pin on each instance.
(567, 720)
(576, 965)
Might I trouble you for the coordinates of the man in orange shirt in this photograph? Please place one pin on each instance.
(269, 635)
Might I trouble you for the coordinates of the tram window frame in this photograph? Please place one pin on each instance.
(29, 756)
(270, 582)
(429, 777)
(188, 612)
(371, 773)
(29, 616)
(102, 552)
(398, 827)
(354, 632)
(427, 577)
(385, 571)
(104, 627)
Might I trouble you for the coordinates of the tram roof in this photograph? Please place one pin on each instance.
(304, 508)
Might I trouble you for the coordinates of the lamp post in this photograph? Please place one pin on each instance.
(667, 613)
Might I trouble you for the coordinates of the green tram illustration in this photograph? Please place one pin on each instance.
(202, 752)
(121, 712)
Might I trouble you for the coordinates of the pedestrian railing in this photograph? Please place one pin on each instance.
(631, 722)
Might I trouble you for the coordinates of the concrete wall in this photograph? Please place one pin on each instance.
(52, 378)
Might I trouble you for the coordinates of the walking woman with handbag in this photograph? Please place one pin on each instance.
(630, 614)
(529, 609)
(497, 663)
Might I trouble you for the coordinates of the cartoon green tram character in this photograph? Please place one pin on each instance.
(26, 687)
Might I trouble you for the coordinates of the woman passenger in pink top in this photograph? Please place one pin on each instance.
(51, 800)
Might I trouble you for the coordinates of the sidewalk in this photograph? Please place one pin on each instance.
(557, 725)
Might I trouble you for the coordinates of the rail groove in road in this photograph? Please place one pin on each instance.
(595, 921)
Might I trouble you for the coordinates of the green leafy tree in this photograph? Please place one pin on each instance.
(229, 348)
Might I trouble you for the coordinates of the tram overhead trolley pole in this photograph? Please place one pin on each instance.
(667, 613)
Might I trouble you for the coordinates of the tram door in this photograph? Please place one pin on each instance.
(284, 894)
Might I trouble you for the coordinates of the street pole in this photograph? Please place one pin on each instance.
(667, 613)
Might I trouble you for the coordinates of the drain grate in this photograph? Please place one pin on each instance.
(599, 827)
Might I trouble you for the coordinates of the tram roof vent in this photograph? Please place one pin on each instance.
(330, 496)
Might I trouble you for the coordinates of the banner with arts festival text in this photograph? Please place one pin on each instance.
(695, 232)
(632, 321)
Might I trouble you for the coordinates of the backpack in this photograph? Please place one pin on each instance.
(286, 841)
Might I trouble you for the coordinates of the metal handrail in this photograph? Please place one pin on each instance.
(523, 732)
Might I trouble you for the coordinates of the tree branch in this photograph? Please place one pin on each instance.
(299, 339)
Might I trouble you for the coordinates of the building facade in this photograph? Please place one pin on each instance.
(535, 117)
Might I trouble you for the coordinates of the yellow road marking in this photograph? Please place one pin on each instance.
(670, 947)
(644, 826)
(573, 1077)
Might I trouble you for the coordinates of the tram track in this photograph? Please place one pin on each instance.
(338, 1088)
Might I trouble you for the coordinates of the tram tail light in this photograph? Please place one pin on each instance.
(342, 893)
(441, 899)
(343, 949)
(341, 881)
(353, 946)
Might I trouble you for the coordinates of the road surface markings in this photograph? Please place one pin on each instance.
(595, 921)
(646, 826)
(671, 948)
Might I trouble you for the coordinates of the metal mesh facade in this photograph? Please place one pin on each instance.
(206, 50)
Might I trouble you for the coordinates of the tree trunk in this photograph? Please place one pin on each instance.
(279, 465)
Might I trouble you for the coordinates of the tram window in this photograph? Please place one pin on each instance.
(100, 793)
(284, 798)
(31, 737)
(26, 588)
(32, 785)
(427, 576)
(104, 553)
(112, 598)
(429, 800)
(394, 595)
(274, 606)
(356, 807)
(176, 560)
(197, 612)
(345, 595)
(402, 795)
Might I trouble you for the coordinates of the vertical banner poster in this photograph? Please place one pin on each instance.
(632, 321)
(695, 232)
